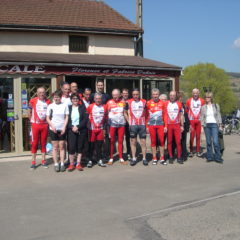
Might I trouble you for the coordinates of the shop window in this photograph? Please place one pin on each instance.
(78, 44)
(82, 82)
(165, 86)
(130, 84)
(7, 123)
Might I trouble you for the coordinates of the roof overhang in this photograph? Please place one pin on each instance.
(71, 29)
(71, 64)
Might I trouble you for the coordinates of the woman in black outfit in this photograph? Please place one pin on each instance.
(186, 129)
(77, 131)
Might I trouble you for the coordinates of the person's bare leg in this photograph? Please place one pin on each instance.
(55, 151)
(154, 152)
(143, 146)
(34, 157)
(133, 147)
(44, 156)
(161, 151)
(62, 151)
(71, 158)
(79, 158)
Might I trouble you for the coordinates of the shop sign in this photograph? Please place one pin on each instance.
(36, 69)
(21, 69)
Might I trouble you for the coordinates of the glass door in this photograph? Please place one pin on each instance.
(7, 116)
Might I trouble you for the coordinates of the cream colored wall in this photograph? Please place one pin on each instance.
(111, 45)
(33, 42)
(58, 43)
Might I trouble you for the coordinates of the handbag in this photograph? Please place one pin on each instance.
(221, 141)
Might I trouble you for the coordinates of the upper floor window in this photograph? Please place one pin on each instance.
(78, 44)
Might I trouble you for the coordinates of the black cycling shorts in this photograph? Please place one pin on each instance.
(138, 130)
(57, 137)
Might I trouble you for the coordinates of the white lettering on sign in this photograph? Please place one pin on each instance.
(146, 72)
(112, 71)
(22, 69)
(82, 70)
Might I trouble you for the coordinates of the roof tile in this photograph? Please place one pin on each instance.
(63, 13)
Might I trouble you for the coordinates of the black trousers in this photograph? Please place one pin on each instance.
(127, 139)
(184, 145)
(97, 145)
(76, 141)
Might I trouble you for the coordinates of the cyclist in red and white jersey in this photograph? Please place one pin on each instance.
(117, 122)
(135, 113)
(97, 122)
(193, 108)
(156, 123)
(175, 119)
(37, 115)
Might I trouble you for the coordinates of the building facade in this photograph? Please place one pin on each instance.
(71, 40)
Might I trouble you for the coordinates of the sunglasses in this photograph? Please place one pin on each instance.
(75, 98)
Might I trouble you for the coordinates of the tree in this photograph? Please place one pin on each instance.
(207, 75)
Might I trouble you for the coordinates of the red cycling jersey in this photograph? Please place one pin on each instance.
(156, 113)
(193, 108)
(97, 116)
(173, 110)
(39, 110)
(116, 113)
(137, 111)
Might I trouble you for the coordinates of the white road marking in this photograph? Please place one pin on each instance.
(184, 205)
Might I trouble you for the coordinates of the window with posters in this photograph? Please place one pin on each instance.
(7, 121)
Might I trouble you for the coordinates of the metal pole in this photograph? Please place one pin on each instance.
(139, 42)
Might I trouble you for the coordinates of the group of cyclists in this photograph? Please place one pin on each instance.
(90, 124)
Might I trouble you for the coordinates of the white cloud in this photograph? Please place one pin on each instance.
(236, 43)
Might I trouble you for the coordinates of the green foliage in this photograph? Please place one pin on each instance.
(208, 75)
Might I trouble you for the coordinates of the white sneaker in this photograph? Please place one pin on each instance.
(110, 162)
(101, 164)
(154, 162)
(121, 160)
(163, 162)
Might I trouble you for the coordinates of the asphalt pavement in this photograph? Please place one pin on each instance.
(197, 200)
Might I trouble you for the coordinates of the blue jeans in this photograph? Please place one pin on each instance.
(211, 132)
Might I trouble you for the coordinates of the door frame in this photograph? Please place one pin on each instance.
(18, 128)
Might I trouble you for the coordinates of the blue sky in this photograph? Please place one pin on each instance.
(186, 32)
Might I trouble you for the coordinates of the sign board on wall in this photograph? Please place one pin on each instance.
(76, 70)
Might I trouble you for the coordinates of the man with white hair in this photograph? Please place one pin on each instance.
(156, 124)
(175, 119)
(193, 108)
(97, 121)
(163, 97)
(117, 122)
(37, 115)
